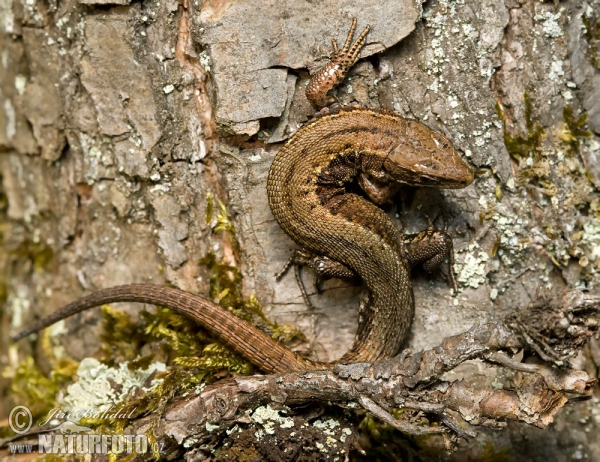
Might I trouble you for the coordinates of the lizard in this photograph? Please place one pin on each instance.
(341, 233)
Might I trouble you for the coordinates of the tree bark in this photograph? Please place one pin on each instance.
(119, 119)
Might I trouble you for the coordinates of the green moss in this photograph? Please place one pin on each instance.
(387, 443)
(574, 129)
(520, 147)
(226, 291)
(210, 206)
(223, 221)
(534, 166)
(491, 454)
(39, 254)
(194, 357)
(122, 338)
(36, 390)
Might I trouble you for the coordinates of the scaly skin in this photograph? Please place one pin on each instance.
(252, 343)
(306, 190)
(342, 234)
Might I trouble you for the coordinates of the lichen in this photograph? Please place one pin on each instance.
(548, 163)
(268, 417)
(95, 388)
(472, 270)
(550, 24)
(326, 426)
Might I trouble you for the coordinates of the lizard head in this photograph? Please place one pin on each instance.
(426, 158)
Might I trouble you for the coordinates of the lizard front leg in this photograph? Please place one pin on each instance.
(430, 248)
(378, 192)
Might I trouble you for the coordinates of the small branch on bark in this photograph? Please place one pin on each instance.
(557, 326)
(410, 392)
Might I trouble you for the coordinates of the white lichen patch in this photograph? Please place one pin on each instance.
(331, 442)
(255, 157)
(233, 429)
(346, 432)
(289, 423)
(556, 71)
(189, 442)
(326, 426)
(20, 83)
(95, 388)
(205, 61)
(472, 271)
(268, 417)
(54, 331)
(211, 427)
(591, 240)
(550, 24)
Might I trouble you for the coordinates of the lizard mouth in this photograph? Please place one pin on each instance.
(451, 175)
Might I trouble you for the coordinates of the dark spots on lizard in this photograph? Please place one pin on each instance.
(290, 173)
(346, 131)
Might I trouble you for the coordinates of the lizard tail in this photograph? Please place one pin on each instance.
(246, 339)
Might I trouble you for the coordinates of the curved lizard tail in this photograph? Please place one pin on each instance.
(246, 339)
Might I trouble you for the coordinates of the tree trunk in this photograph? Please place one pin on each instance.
(120, 121)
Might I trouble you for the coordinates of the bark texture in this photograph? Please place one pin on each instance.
(117, 118)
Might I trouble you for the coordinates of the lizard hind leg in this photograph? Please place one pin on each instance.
(430, 248)
(323, 267)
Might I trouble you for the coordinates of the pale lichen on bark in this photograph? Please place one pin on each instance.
(109, 145)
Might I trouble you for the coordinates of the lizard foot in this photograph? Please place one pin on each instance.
(430, 247)
(323, 267)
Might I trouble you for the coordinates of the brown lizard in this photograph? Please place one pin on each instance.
(342, 234)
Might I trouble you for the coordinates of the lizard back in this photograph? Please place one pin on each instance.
(307, 194)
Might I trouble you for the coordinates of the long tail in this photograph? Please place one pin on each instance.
(249, 341)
